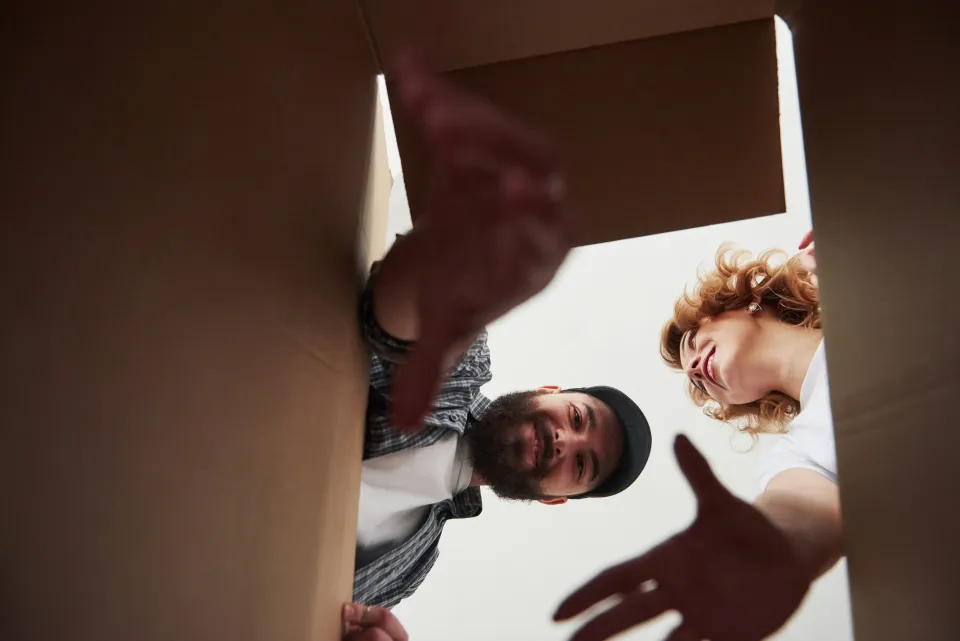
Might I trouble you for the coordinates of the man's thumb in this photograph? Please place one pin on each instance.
(416, 382)
(695, 468)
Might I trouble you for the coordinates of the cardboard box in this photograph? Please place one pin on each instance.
(185, 387)
(183, 187)
(881, 152)
(666, 111)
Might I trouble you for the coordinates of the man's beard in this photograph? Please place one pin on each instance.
(498, 449)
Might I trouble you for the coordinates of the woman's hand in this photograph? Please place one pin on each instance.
(370, 623)
(807, 258)
(732, 575)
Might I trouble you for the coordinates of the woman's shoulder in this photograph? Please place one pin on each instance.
(807, 444)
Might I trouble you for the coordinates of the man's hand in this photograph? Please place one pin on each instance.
(370, 623)
(732, 575)
(807, 258)
(495, 231)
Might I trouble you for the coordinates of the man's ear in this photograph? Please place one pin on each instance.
(549, 389)
(560, 500)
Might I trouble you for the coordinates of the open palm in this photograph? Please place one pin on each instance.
(496, 227)
(732, 574)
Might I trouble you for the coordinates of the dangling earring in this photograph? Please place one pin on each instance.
(753, 308)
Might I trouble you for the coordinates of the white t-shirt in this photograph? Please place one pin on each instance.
(397, 490)
(809, 443)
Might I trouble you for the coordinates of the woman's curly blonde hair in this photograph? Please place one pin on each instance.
(736, 281)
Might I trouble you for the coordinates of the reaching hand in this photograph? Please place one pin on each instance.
(732, 575)
(495, 231)
(807, 258)
(370, 623)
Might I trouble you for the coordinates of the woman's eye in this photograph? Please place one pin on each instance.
(577, 419)
(579, 467)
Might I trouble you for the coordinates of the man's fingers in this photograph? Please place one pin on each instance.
(635, 609)
(470, 133)
(418, 379)
(352, 614)
(540, 237)
(364, 619)
(413, 81)
(698, 473)
(415, 385)
(683, 632)
(543, 196)
(538, 208)
(385, 620)
(807, 239)
(461, 125)
(619, 579)
(368, 634)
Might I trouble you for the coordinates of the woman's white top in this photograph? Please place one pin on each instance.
(809, 443)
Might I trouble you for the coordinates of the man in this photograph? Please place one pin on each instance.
(495, 232)
(544, 445)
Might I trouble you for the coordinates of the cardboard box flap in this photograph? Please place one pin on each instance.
(187, 385)
(658, 134)
(454, 34)
(881, 155)
(377, 197)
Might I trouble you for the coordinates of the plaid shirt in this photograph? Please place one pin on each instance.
(389, 579)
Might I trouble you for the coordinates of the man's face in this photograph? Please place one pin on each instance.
(545, 445)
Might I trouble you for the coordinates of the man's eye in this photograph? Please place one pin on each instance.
(577, 419)
(580, 467)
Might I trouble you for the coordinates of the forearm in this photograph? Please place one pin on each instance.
(813, 527)
(395, 294)
(395, 288)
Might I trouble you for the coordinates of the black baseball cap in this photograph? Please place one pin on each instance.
(636, 440)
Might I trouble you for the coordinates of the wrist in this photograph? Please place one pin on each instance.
(396, 286)
(811, 539)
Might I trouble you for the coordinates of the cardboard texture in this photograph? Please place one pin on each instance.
(184, 385)
(183, 192)
(667, 114)
(882, 150)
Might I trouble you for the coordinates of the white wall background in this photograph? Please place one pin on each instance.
(501, 575)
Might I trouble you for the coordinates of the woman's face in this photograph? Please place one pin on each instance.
(720, 358)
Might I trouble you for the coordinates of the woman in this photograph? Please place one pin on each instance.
(748, 338)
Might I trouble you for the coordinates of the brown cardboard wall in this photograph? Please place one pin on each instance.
(455, 34)
(183, 384)
(882, 157)
(657, 134)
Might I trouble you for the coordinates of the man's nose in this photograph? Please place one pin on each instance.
(559, 443)
(564, 440)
